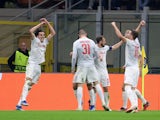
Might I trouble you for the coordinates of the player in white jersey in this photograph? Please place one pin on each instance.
(132, 54)
(83, 55)
(36, 58)
(138, 93)
(101, 64)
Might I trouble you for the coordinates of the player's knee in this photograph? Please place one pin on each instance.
(123, 88)
(29, 84)
(74, 86)
(89, 86)
(105, 89)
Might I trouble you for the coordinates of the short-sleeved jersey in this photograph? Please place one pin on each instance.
(102, 53)
(83, 52)
(132, 52)
(38, 49)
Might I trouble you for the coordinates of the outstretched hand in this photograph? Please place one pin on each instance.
(43, 20)
(142, 23)
(113, 23)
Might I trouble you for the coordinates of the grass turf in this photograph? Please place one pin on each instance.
(78, 115)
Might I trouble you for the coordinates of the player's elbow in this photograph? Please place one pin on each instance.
(53, 33)
(31, 30)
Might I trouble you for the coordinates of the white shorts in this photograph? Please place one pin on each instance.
(103, 78)
(131, 76)
(85, 75)
(33, 71)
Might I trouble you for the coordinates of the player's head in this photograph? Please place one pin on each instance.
(101, 40)
(23, 46)
(40, 34)
(131, 34)
(82, 33)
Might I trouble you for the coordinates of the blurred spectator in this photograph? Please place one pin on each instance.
(116, 4)
(18, 60)
(93, 4)
(90, 4)
(123, 4)
(143, 3)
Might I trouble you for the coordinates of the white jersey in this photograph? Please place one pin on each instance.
(38, 49)
(132, 52)
(102, 53)
(83, 53)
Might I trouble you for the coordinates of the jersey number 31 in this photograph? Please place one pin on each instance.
(86, 48)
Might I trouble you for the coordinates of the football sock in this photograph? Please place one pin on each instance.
(132, 96)
(92, 97)
(25, 90)
(106, 98)
(100, 93)
(125, 99)
(138, 93)
(75, 93)
(79, 96)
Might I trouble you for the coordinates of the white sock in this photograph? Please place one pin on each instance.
(79, 96)
(75, 93)
(106, 98)
(25, 90)
(132, 96)
(100, 93)
(92, 97)
(138, 93)
(125, 99)
(95, 98)
(19, 102)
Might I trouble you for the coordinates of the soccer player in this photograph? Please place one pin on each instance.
(138, 93)
(132, 53)
(101, 64)
(90, 89)
(36, 58)
(83, 55)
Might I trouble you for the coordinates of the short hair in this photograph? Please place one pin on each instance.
(37, 32)
(82, 32)
(99, 38)
(134, 34)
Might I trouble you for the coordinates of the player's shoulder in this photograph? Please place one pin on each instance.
(106, 46)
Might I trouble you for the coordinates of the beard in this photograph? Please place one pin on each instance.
(102, 45)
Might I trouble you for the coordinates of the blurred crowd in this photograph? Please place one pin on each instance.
(86, 4)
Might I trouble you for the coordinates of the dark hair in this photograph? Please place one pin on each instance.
(37, 32)
(134, 34)
(99, 38)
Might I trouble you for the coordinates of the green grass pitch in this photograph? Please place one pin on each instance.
(78, 115)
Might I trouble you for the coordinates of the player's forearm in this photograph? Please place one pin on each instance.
(142, 23)
(138, 28)
(33, 29)
(116, 46)
(117, 31)
(73, 64)
(52, 31)
(140, 61)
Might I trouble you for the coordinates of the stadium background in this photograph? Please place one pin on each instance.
(67, 19)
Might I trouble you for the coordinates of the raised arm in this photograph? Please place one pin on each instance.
(33, 29)
(52, 31)
(118, 33)
(142, 23)
(117, 45)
